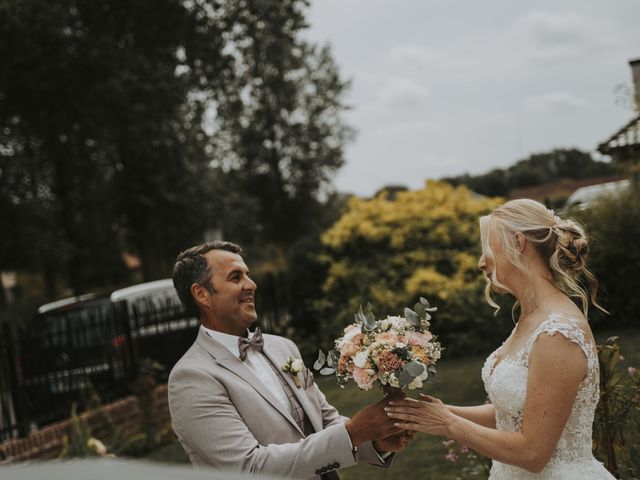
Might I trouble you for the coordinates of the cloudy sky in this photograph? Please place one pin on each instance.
(446, 87)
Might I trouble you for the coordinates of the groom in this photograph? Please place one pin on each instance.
(232, 404)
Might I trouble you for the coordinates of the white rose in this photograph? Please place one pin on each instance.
(297, 365)
(417, 383)
(397, 323)
(349, 335)
(361, 360)
(385, 325)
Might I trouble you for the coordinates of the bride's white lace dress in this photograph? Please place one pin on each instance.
(506, 385)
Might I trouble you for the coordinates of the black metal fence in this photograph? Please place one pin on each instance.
(98, 348)
(65, 356)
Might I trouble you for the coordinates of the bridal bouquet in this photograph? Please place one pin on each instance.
(396, 352)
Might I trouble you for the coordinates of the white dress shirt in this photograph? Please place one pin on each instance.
(257, 362)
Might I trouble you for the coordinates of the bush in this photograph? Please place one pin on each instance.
(616, 429)
(391, 250)
(613, 223)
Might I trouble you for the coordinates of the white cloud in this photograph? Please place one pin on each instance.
(384, 98)
(553, 27)
(407, 130)
(403, 93)
(554, 101)
(558, 36)
(414, 57)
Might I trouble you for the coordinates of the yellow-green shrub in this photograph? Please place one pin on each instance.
(391, 249)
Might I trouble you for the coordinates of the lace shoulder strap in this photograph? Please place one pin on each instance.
(567, 326)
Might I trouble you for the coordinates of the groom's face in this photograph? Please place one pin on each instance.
(233, 300)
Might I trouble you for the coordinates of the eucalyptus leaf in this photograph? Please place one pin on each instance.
(368, 308)
(327, 371)
(431, 369)
(360, 315)
(419, 309)
(415, 369)
(424, 302)
(427, 317)
(404, 378)
(332, 358)
(322, 358)
(432, 309)
(369, 322)
(369, 327)
(432, 379)
(411, 316)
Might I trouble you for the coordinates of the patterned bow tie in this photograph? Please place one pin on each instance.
(256, 342)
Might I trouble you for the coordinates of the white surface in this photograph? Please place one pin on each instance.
(113, 469)
(134, 292)
(583, 196)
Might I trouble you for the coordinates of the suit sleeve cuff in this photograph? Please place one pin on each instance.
(382, 455)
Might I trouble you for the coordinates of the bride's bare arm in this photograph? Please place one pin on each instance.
(556, 368)
(484, 415)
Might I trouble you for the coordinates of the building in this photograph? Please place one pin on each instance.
(624, 145)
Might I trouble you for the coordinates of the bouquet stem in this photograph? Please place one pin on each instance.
(390, 391)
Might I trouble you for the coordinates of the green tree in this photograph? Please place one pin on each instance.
(537, 169)
(138, 125)
(277, 120)
(96, 146)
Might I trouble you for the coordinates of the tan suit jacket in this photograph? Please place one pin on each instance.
(225, 417)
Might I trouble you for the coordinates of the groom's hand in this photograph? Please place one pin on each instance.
(394, 443)
(371, 423)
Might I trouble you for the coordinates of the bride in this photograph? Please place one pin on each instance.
(543, 382)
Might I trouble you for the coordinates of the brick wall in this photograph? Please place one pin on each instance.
(46, 443)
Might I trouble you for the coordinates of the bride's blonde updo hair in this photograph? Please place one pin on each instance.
(561, 243)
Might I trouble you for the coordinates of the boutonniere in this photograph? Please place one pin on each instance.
(293, 366)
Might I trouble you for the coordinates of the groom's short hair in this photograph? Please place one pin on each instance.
(191, 267)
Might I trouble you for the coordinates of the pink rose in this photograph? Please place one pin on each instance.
(344, 366)
(417, 338)
(387, 337)
(349, 349)
(357, 340)
(389, 362)
(362, 377)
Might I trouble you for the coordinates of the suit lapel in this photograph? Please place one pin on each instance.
(278, 359)
(227, 360)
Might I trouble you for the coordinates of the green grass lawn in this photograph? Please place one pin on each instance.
(425, 457)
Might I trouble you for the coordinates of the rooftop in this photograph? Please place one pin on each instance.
(627, 138)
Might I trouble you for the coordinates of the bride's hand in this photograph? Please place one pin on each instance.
(428, 415)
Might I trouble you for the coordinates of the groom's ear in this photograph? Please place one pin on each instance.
(200, 295)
